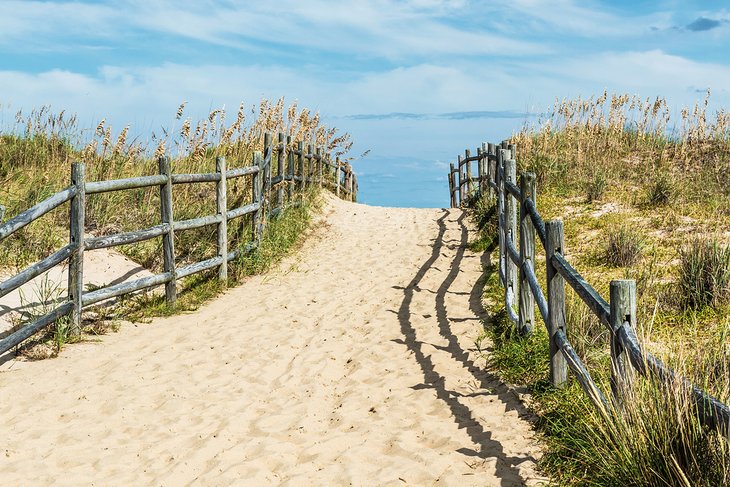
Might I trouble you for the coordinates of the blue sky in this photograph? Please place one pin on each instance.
(414, 81)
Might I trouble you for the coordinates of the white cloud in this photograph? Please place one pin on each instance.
(648, 73)
(561, 18)
(28, 24)
(375, 28)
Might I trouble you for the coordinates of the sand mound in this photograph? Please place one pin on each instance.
(351, 364)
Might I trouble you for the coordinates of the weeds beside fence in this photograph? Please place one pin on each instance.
(519, 226)
(279, 177)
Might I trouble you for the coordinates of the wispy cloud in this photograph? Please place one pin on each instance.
(374, 28)
(588, 19)
(648, 73)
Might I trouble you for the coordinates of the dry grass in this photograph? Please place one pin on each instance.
(615, 167)
(36, 154)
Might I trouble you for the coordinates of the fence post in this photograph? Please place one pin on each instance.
(320, 164)
(469, 186)
(221, 201)
(452, 189)
(280, 149)
(257, 183)
(310, 168)
(337, 177)
(461, 179)
(527, 253)
(556, 301)
(350, 184)
(499, 175)
(346, 182)
(289, 169)
(491, 168)
(300, 163)
(510, 221)
(481, 152)
(168, 238)
(355, 187)
(623, 309)
(77, 219)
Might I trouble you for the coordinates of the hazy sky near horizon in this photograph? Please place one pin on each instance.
(414, 81)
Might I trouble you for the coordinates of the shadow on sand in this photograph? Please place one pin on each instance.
(506, 468)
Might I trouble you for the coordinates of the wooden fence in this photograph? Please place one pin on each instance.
(519, 225)
(294, 169)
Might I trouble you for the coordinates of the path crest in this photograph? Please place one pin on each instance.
(353, 363)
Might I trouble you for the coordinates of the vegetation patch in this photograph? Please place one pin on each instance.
(35, 162)
(661, 221)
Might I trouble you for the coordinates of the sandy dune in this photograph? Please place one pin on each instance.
(349, 365)
(102, 267)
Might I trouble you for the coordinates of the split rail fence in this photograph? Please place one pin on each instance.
(520, 225)
(295, 166)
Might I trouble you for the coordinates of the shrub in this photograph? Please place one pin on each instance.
(704, 273)
(623, 246)
(660, 191)
(596, 187)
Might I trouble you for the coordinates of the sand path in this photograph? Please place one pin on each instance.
(352, 364)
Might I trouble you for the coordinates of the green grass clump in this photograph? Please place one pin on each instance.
(623, 246)
(654, 438)
(282, 235)
(596, 186)
(704, 274)
(483, 213)
(661, 190)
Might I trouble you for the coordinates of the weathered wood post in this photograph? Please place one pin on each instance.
(77, 218)
(280, 151)
(221, 202)
(350, 184)
(461, 179)
(300, 164)
(623, 310)
(527, 253)
(168, 238)
(510, 219)
(480, 170)
(355, 187)
(257, 184)
(308, 157)
(469, 185)
(289, 169)
(452, 189)
(320, 163)
(331, 168)
(499, 176)
(483, 169)
(491, 169)
(266, 183)
(513, 151)
(554, 244)
(337, 177)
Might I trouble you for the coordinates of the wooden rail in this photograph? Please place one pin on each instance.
(496, 180)
(301, 170)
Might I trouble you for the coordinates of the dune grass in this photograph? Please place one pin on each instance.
(35, 159)
(642, 202)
